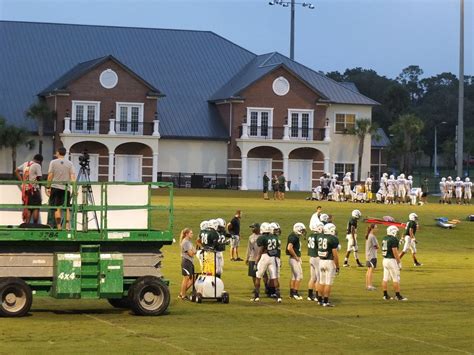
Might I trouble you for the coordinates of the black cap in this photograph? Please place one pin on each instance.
(255, 225)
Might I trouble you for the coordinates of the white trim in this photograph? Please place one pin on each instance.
(101, 78)
(74, 103)
(300, 126)
(356, 114)
(141, 106)
(259, 110)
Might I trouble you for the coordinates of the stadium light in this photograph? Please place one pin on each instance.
(293, 3)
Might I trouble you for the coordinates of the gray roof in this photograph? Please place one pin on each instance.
(260, 66)
(349, 85)
(80, 69)
(190, 67)
(380, 139)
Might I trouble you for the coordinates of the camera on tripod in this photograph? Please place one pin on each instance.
(84, 159)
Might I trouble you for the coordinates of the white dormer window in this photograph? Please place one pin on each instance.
(129, 118)
(85, 117)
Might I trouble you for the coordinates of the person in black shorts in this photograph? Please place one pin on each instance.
(187, 265)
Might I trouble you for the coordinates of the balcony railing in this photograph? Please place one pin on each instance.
(283, 133)
(111, 127)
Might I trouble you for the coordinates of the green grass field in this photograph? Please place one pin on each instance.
(438, 317)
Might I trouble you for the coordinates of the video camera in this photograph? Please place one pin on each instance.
(84, 159)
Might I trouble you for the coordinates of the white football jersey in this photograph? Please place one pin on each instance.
(467, 185)
(442, 186)
(346, 180)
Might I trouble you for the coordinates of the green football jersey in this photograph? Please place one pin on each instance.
(388, 243)
(412, 225)
(352, 223)
(209, 238)
(326, 244)
(313, 244)
(295, 240)
(273, 245)
(220, 246)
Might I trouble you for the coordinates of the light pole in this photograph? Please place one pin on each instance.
(460, 129)
(436, 148)
(292, 4)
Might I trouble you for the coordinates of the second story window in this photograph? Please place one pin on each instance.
(85, 116)
(301, 124)
(260, 122)
(344, 122)
(129, 118)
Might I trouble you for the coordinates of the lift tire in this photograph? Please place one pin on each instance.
(149, 296)
(225, 297)
(15, 297)
(119, 302)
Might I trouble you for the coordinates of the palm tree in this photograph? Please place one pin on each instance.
(362, 128)
(12, 137)
(40, 112)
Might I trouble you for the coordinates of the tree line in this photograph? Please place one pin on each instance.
(411, 107)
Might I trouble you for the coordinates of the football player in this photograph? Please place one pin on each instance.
(329, 262)
(402, 192)
(410, 240)
(390, 190)
(346, 183)
(203, 227)
(442, 190)
(368, 188)
(208, 241)
(293, 250)
(352, 238)
(458, 185)
(313, 283)
(449, 189)
(268, 259)
(383, 186)
(252, 251)
(467, 186)
(391, 264)
(220, 245)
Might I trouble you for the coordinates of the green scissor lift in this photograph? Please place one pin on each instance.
(93, 259)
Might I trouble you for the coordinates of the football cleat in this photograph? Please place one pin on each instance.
(279, 300)
(346, 265)
(418, 264)
(371, 288)
(310, 298)
(329, 304)
(401, 298)
(255, 299)
(296, 297)
(386, 298)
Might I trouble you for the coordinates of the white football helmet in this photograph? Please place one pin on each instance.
(335, 176)
(392, 177)
(467, 179)
(392, 230)
(204, 225)
(450, 178)
(274, 228)
(356, 214)
(317, 227)
(458, 179)
(443, 179)
(410, 177)
(412, 216)
(265, 228)
(329, 229)
(213, 224)
(348, 173)
(299, 228)
(324, 218)
(384, 174)
(402, 176)
(221, 222)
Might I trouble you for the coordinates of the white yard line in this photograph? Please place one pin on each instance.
(281, 308)
(131, 331)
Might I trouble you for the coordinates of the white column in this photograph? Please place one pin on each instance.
(112, 126)
(156, 129)
(243, 182)
(67, 125)
(327, 131)
(326, 165)
(154, 178)
(286, 132)
(245, 134)
(286, 169)
(111, 166)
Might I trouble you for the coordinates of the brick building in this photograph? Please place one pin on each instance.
(147, 101)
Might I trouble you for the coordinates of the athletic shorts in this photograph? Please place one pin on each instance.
(252, 269)
(314, 269)
(347, 190)
(34, 197)
(235, 241)
(296, 270)
(458, 193)
(351, 246)
(270, 264)
(187, 267)
(409, 245)
(372, 263)
(467, 195)
(391, 270)
(327, 270)
(57, 197)
(281, 188)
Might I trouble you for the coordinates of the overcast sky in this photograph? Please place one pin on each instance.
(384, 35)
